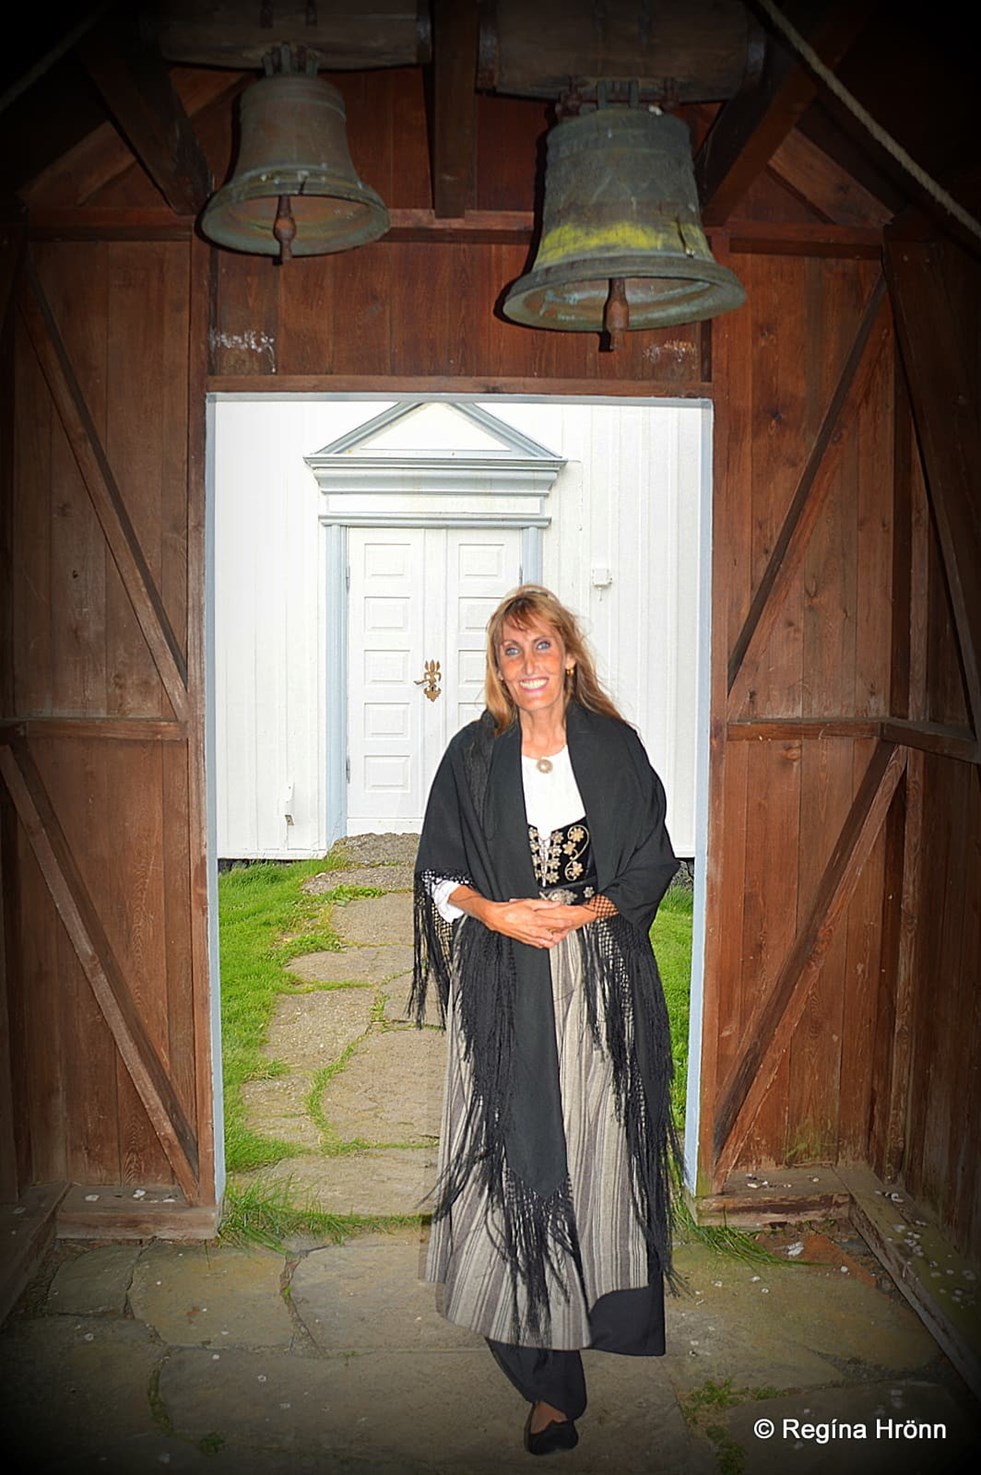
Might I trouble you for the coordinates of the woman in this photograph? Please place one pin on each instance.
(542, 861)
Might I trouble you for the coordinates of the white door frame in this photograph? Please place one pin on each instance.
(336, 526)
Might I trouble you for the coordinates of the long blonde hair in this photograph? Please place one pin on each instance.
(524, 606)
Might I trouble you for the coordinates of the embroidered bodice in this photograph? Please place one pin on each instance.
(564, 858)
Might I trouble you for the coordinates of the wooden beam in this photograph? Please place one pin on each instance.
(109, 223)
(798, 729)
(102, 155)
(474, 227)
(238, 33)
(111, 1211)
(27, 1232)
(933, 737)
(778, 1196)
(456, 32)
(907, 1239)
(752, 125)
(769, 1031)
(845, 242)
(949, 435)
(98, 961)
(135, 85)
(788, 551)
(106, 496)
(845, 145)
(822, 182)
(103, 729)
(693, 50)
(201, 868)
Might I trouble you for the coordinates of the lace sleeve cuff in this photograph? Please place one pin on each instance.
(439, 890)
(601, 906)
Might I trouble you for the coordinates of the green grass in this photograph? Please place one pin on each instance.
(700, 1405)
(264, 920)
(270, 1214)
(671, 937)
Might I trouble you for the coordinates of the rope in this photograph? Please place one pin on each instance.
(825, 75)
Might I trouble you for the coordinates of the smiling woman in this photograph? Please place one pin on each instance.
(542, 861)
(532, 667)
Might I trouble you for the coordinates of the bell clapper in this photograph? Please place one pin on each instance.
(284, 228)
(616, 313)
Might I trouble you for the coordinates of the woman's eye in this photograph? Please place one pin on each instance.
(544, 645)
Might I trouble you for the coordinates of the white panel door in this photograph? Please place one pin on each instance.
(418, 597)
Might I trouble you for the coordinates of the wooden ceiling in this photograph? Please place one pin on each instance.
(146, 75)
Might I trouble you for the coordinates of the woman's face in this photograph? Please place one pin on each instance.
(531, 660)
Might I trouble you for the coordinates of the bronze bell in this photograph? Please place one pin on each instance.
(622, 244)
(294, 190)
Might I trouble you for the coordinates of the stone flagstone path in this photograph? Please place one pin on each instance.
(369, 1141)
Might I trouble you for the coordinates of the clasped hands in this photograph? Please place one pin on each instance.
(529, 919)
(535, 920)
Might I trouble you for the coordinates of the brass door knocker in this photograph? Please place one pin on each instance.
(430, 681)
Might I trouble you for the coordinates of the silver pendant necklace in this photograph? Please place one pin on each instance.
(544, 765)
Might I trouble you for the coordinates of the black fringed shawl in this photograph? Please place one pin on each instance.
(476, 832)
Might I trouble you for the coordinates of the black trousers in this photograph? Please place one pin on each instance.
(628, 1322)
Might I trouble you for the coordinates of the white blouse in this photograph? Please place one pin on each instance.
(552, 801)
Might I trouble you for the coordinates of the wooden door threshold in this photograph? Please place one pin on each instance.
(942, 1286)
(27, 1232)
(133, 1211)
(775, 1196)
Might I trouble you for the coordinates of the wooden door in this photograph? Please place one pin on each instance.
(418, 598)
(101, 784)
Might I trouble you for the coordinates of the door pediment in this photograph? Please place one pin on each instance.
(403, 463)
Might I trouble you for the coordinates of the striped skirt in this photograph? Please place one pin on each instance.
(463, 1255)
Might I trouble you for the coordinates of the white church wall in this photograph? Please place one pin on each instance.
(621, 549)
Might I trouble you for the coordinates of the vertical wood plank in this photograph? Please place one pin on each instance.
(78, 548)
(244, 336)
(80, 919)
(28, 688)
(770, 905)
(178, 1031)
(147, 328)
(816, 1048)
(201, 867)
(9, 1181)
(39, 1081)
(726, 798)
(362, 332)
(310, 317)
(921, 540)
(860, 971)
(930, 335)
(884, 1155)
(769, 1034)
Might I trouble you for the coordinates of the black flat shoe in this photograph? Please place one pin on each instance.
(554, 1436)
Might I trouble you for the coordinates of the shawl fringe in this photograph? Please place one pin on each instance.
(528, 1228)
(432, 955)
(623, 989)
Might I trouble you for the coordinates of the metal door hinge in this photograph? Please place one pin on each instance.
(347, 769)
